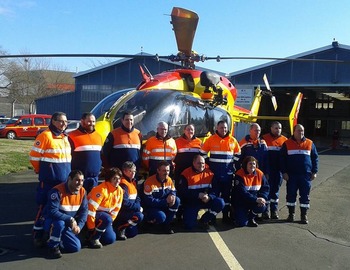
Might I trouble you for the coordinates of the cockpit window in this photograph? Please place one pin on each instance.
(149, 108)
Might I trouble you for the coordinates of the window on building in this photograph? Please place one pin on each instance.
(324, 105)
(318, 124)
(345, 125)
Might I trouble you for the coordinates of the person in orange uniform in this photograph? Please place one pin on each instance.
(122, 144)
(198, 190)
(51, 159)
(250, 193)
(86, 144)
(299, 166)
(130, 214)
(104, 203)
(159, 198)
(159, 148)
(188, 146)
(66, 212)
(252, 145)
(224, 151)
(274, 140)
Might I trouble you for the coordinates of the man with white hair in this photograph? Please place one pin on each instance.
(160, 147)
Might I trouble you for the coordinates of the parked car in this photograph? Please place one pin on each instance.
(3, 120)
(24, 126)
(72, 125)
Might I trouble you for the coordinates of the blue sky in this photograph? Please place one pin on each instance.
(269, 28)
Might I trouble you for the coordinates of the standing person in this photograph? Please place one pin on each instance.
(299, 165)
(51, 158)
(223, 149)
(66, 211)
(159, 199)
(188, 146)
(86, 144)
(198, 190)
(130, 214)
(123, 144)
(104, 202)
(274, 141)
(250, 193)
(160, 147)
(252, 145)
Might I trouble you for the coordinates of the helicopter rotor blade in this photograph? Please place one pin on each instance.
(75, 55)
(184, 25)
(219, 58)
(201, 58)
(273, 98)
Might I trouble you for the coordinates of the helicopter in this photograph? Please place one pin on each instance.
(180, 96)
(184, 95)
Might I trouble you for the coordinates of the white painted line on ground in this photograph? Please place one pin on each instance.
(328, 149)
(225, 252)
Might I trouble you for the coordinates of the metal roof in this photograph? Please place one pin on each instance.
(334, 44)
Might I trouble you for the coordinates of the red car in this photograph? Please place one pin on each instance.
(24, 126)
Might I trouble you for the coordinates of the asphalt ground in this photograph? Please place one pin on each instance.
(322, 244)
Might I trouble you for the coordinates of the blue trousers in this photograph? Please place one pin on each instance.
(162, 215)
(41, 199)
(89, 183)
(128, 220)
(190, 214)
(104, 229)
(62, 236)
(275, 182)
(225, 193)
(245, 212)
(302, 183)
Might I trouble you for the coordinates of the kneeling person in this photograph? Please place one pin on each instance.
(198, 189)
(250, 193)
(105, 201)
(66, 211)
(159, 199)
(130, 214)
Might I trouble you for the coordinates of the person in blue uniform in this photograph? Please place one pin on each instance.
(159, 199)
(86, 144)
(130, 214)
(66, 214)
(274, 140)
(198, 189)
(299, 165)
(250, 193)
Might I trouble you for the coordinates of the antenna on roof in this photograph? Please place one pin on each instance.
(335, 43)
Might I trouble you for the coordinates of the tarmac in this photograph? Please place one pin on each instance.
(322, 244)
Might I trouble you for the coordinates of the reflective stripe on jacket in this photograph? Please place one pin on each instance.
(106, 198)
(51, 157)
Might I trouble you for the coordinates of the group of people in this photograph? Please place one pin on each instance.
(184, 175)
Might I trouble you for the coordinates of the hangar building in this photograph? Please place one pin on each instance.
(325, 86)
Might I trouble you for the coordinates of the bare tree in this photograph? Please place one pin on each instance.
(32, 78)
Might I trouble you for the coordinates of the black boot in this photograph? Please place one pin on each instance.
(303, 216)
(121, 235)
(291, 215)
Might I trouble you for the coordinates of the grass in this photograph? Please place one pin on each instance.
(14, 155)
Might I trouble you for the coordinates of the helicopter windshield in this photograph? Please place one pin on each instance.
(106, 103)
(173, 107)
